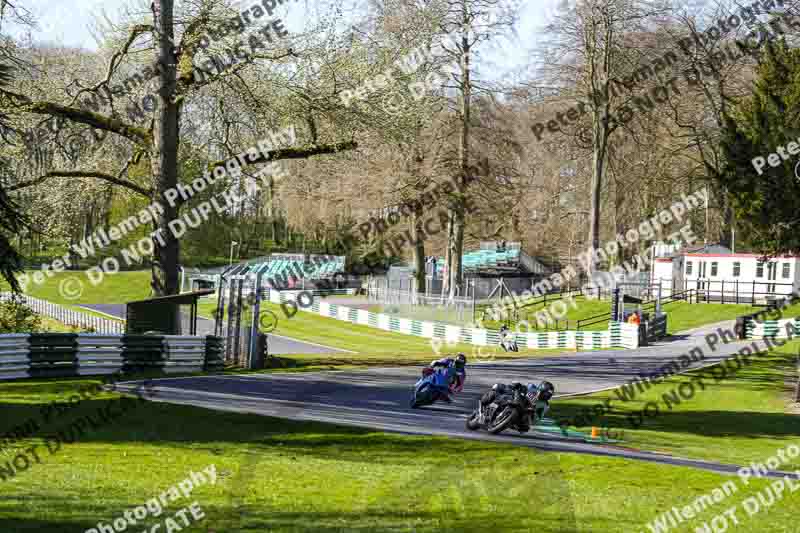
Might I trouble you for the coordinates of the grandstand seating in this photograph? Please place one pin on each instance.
(485, 259)
(279, 267)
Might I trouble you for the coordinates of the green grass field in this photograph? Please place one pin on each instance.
(731, 420)
(130, 286)
(113, 288)
(276, 475)
(372, 346)
(682, 315)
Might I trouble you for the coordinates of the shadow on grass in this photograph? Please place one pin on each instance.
(392, 522)
(36, 525)
(423, 488)
(709, 423)
(703, 412)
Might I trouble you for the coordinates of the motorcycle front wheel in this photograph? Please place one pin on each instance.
(473, 422)
(502, 421)
(423, 397)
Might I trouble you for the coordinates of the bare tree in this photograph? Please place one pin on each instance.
(474, 22)
(178, 78)
(593, 50)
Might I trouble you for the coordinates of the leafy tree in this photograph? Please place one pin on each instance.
(16, 317)
(767, 203)
(155, 146)
(11, 221)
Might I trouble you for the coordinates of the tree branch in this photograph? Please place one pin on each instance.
(187, 80)
(294, 153)
(115, 61)
(22, 103)
(84, 174)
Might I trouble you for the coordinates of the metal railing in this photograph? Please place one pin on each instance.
(735, 291)
(70, 317)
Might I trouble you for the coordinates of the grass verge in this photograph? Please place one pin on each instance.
(372, 346)
(742, 417)
(682, 316)
(116, 288)
(276, 475)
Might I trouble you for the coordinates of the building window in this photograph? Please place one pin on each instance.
(786, 270)
(688, 268)
(760, 270)
(737, 269)
(714, 268)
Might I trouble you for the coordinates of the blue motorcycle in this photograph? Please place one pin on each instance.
(435, 383)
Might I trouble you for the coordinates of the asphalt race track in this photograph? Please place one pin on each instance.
(378, 398)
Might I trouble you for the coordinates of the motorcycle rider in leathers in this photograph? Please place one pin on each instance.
(545, 389)
(457, 377)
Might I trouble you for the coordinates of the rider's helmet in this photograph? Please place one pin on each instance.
(546, 390)
(461, 361)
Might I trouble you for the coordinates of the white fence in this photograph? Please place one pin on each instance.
(68, 316)
(618, 335)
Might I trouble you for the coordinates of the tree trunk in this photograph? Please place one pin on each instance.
(619, 195)
(456, 249)
(598, 160)
(456, 244)
(418, 250)
(164, 156)
(448, 255)
(726, 229)
(271, 207)
(797, 391)
(797, 387)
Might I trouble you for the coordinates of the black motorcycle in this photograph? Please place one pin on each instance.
(516, 407)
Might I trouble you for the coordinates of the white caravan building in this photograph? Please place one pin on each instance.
(719, 275)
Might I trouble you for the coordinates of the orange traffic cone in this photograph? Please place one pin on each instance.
(595, 432)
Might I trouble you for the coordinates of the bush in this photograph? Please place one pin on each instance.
(16, 317)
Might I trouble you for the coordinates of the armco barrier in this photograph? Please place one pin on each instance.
(184, 354)
(85, 354)
(14, 356)
(618, 334)
(53, 354)
(143, 353)
(99, 354)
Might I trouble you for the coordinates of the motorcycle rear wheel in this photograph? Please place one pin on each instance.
(473, 422)
(502, 421)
